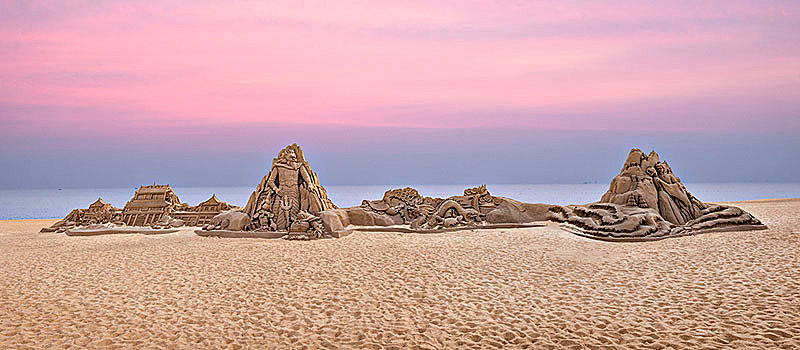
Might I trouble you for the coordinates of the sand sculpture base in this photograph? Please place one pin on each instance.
(240, 234)
(618, 223)
(117, 230)
(577, 231)
(351, 229)
(407, 229)
(259, 234)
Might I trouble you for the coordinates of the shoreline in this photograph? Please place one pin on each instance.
(763, 200)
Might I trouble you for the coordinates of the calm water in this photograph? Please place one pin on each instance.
(53, 203)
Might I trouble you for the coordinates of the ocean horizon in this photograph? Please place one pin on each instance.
(56, 203)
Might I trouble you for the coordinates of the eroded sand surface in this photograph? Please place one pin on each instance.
(534, 288)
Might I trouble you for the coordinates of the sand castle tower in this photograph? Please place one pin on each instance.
(289, 188)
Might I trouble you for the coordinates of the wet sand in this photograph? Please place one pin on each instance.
(517, 288)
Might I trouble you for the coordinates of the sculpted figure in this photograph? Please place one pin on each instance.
(479, 197)
(305, 226)
(288, 178)
(289, 187)
(473, 216)
(419, 214)
(228, 220)
(451, 221)
(675, 203)
(647, 182)
(451, 214)
(401, 201)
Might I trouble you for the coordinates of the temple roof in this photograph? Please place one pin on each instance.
(154, 189)
(213, 200)
(99, 201)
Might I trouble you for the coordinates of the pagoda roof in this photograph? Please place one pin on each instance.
(212, 200)
(99, 201)
(155, 189)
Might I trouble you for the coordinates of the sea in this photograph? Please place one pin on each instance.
(56, 203)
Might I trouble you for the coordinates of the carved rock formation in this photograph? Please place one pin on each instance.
(647, 201)
(646, 182)
(290, 186)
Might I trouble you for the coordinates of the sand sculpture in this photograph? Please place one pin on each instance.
(647, 201)
(289, 202)
(305, 226)
(152, 206)
(405, 210)
(646, 182)
(289, 198)
(98, 212)
(158, 206)
(434, 213)
(202, 213)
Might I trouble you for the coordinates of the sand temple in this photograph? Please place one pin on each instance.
(97, 213)
(647, 201)
(202, 213)
(153, 206)
(150, 204)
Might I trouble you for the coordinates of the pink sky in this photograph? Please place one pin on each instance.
(208, 86)
(425, 64)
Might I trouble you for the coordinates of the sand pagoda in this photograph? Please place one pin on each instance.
(647, 201)
(98, 212)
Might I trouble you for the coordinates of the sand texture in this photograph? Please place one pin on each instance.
(515, 288)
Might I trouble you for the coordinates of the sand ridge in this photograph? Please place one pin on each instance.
(517, 288)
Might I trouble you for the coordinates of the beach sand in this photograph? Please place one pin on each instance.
(522, 288)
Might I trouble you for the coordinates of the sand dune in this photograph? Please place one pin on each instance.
(519, 288)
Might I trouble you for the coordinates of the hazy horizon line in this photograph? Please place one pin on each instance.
(390, 186)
